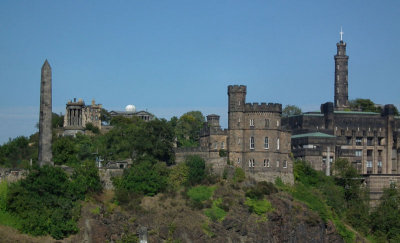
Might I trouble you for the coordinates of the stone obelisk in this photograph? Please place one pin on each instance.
(45, 133)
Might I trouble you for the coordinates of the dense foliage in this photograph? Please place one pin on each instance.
(144, 178)
(291, 110)
(46, 201)
(188, 127)
(366, 105)
(18, 152)
(197, 169)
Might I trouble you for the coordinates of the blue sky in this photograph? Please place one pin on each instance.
(170, 57)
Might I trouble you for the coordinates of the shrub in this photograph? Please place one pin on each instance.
(45, 202)
(178, 176)
(216, 213)
(239, 175)
(262, 188)
(197, 168)
(258, 206)
(201, 193)
(143, 177)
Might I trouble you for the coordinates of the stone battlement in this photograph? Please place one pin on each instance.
(263, 107)
(236, 88)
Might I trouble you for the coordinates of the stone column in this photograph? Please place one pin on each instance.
(45, 133)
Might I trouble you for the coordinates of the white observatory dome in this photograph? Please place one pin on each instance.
(130, 108)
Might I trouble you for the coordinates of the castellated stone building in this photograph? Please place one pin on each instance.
(254, 140)
(369, 140)
(78, 115)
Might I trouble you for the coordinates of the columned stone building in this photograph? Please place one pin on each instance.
(78, 115)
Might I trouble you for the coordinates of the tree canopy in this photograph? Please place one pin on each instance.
(291, 110)
(188, 127)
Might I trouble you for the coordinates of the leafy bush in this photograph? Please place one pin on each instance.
(197, 168)
(239, 175)
(93, 128)
(259, 206)
(144, 178)
(262, 188)
(216, 213)
(178, 176)
(46, 203)
(86, 178)
(201, 193)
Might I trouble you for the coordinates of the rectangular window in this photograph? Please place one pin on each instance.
(251, 142)
(369, 163)
(358, 152)
(251, 163)
(222, 145)
(358, 141)
(252, 122)
(266, 122)
(370, 141)
(277, 163)
(215, 145)
(266, 144)
(380, 141)
(284, 164)
(277, 144)
(348, 140)
(369, 152)
(277, 123)
(238, 160)
(239, 141)
(379, 163)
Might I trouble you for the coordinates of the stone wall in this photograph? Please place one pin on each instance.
(12, 175)
(106, 174)
(376, 184)
(212, 159)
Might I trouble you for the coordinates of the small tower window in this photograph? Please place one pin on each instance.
(252, 122)
(266, 143)
(277, 144)
(266, 122)
(251, 142)
(277, 163)
(284, 164)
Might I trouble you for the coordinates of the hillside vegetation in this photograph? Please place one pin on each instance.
(186, 201)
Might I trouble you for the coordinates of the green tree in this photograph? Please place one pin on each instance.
(57, 120)
(188, 129)
(64, 151)
(364, 105)
(291, 110)
(45, 202)
(197, 169)
(385, 218)
(105, 116)
(145, 177)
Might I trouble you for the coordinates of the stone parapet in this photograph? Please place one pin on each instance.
(263, 107)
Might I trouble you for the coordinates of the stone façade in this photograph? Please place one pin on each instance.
(369, 140)
(254, 141)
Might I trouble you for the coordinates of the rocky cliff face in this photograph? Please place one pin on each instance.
(170, 219)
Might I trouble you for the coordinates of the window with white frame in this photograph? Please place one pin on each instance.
(251, 163)
(239, 141)
(277, 144)
(284, 164)
(251, 142)
(277, 123)
(266, 143)
(277, 163)
(358, 153)
(252, 122)
(268, 164)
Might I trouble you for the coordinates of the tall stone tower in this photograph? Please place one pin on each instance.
(45, 133)
(236, 108)
(341, 76)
